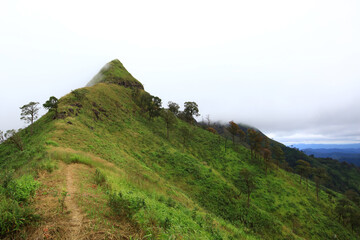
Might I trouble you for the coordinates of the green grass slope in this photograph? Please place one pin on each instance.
(165, 188)
(115, 72)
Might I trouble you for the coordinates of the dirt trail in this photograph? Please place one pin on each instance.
(76, 218)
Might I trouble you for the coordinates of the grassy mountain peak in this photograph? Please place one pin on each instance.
(115, 72)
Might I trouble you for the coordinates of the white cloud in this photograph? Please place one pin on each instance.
(283, 66)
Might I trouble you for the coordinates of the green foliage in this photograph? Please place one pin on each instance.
(191, 109)
(14, 192)
(14, 137)
(61, 200)
(80, 94)
(6, 177)
(2, 137)
(51, 104)
(22, 189)
(125, 206)
(154, 107)
(47, 165)
(52, 143)
(173, 107)
(13, 217)
(170, 120)
(73, 158)
(100, 178)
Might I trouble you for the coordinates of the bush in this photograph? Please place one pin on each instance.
(13, 216)
(76, 158)
(125, 206)
(22, 188)
(6, 177)
(52, 143)
(260, 221)
(48, 165)
(79, 94)
(99, 177)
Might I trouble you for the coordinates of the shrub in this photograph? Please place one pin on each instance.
(99, 177)
(6, 177)
(125, 206)
(22, 188)
(52, 143)
(13, 216)
(79, 94)
(47, 165)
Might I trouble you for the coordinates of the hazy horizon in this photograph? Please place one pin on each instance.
(289, 69)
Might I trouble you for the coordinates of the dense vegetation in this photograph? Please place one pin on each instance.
(172, 179)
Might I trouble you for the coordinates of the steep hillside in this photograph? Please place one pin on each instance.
(115, 72)
(103, 169)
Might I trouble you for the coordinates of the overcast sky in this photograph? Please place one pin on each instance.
(289, 68)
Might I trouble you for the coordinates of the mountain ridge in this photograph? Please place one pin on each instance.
(137, 182)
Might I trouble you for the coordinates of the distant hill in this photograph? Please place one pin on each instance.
(100, 165)
(326, 146)
(349, 153)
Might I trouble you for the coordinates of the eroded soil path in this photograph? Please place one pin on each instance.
(72, 206)
(75, 216)
(56, 203)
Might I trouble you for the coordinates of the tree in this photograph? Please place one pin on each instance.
(226, 138)
(241, 135)
(80, 93)
(212, 130)
(169, 119)
(144, 101)
(248, 178)
(347, 213)
(29, 113)
(344, 210)
(2, 137)
(191, 109)
(353, 196)
(255, 140)
(173, 107)
(14, 137)
(150, 104)
(319, 177)
(302, 167)
(355, 219)
(267, 158)
(52, 105)
(278, 154)
(208, 121)
(154, 107)
(233, 129)
(185, 134)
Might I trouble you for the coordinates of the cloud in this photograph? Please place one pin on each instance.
(288, 68)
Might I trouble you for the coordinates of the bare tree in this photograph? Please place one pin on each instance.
(208, 120)
(29, 113)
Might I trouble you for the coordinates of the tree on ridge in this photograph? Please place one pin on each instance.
(29, 113)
